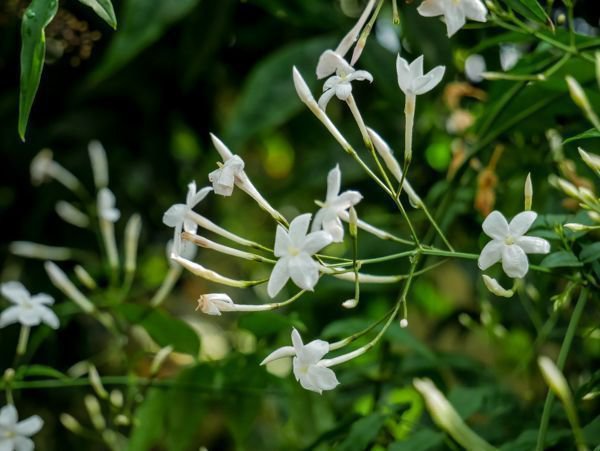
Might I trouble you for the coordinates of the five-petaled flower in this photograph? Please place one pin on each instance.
(340, 84)
(308, 367)
(27, 309)
(223, 179)
(455, 12)
(14, 434)
(294, 250)
(411, 79)
(328, 217)
(509, 243)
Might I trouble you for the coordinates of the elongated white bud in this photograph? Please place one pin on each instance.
(160, 358)
(71, 214)
(60, 280)
(494, 287)
(40, 251)
(99, 164)
(132, 237)
(528, 192)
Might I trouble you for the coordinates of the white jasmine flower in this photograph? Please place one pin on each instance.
(328, 217)
(339, 84)
(215, 303)
(294, 249)
(177, 215)
(411, 79)
(494, 286)
(27, 310)
(223, 179)
(455, 12)
(106, 206)
(14, 434)
(308, 366)
(509, 243)
(475, 67)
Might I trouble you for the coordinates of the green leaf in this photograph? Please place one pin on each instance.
(362, 432)
(531, 9)
(590, 252)
(163, 328)
(33, 51)
(104, 9)
(148, 424)
(142, 22)
(590, 134)
(561, 259)
(269, 98)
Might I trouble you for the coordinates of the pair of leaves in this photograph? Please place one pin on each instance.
(530, 9)
(33, 48)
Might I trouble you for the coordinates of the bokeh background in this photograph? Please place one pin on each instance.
(176, 70)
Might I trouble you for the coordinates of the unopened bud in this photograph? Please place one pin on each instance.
(592, 160)
(85, 277)
(95, 412)
(116, 398)
(60, 280)
(99, 164)
(350, 303)
(122, 420)
(96, 382)
(494, 287)
(561, 19)
(159, 359)
(353, 222)
(70, 423)
(302, 88)
(403, 323)
(71, 214)
(8, 376)
(132, 237)
(528, 192)
(575, 227)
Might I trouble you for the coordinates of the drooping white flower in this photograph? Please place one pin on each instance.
(340, 84)
(328, 217)
(509, 243)
(475, 67)
(14, 434)
(307, 363)
(223, 179)
(455, 12)
(215, 303)
(411, 79)
(27, 309)
(294, 250)
(106, 206)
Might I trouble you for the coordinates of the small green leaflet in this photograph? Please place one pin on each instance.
(104, 9)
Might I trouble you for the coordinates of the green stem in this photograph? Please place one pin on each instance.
(560, 363)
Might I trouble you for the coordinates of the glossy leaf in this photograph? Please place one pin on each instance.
(531, 9)
(590, 253)
(104, 9)
(561, 259)
(33, 52)
(589, 134)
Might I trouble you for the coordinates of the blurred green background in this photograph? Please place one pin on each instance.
(151, 92)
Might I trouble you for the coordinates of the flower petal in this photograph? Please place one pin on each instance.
(285, 351)
(325, 98)
(297, 342)
(282, 242)
(490, 254)
(533, 245)
(416, 68)
(48, 316)
(334, 227)
(403, 73)
(298, 229)
(323, 378)
(495, 226)
(199, 196)
(279, 277)
(514, 261)
(174, 215)
(343, 91)
(14, 292)
(315, 350)
(360, 75)
(29, 317)
(8, 444)
(10, 316)
(30, 426)
(303, 270)
(455, 20)
(315, 241)
(431, 8)
(42, 298)
(8, 416)
(521, 223)
(433, 77)
(474, 10)
(318, 220)
(334, 181)
(23, 444)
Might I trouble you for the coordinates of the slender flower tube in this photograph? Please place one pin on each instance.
(60, 280)
(108, 214)
(99, 164)
(43, 168)
(213, 276)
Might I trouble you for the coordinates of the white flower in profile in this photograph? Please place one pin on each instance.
(455, 12)
(106, 206)
(509, 243)
(335, 205)
(294, 250)
(308, 366)
(475, 67)
(27, 309)
(411, 79)
(223, 179)
(340, 84)
(215, 303)
(14, 434)
(176, 215)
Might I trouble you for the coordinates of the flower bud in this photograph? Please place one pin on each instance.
(494, 287)
(85, 277)
(302, 88)
(403, 323)
(159, 359)
(592, 160)
(60, 280)
(528, 192)
(71, 214)
(70, 423)
(99, 164)
(132, 237)
(95, 412)
(353, 222)
(350, 303)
